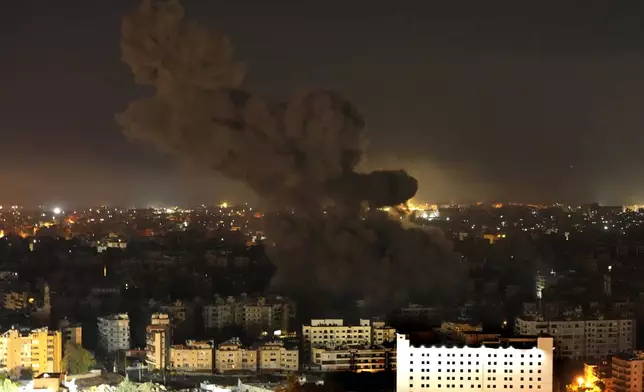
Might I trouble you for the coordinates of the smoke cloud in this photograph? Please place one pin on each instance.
(299, 157)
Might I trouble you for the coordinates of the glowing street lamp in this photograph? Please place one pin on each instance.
(57, 211)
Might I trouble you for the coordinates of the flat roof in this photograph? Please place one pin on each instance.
(519, 342)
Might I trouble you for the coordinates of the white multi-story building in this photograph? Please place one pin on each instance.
(114, 333)
(505, 363)
(582, 339)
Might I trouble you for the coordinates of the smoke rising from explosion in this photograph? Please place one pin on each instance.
(299, 157)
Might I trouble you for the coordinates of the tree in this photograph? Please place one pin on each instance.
(77, 360)
(7, 385)
(291, 385)
(26, 373)
(149, 387)
(126, 386)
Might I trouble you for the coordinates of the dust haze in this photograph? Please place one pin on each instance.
(300, 158)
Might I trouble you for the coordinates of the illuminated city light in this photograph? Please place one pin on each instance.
(57, 210)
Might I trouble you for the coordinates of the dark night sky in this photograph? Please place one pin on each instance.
(479, 101)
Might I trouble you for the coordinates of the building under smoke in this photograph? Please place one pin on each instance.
(299, 157)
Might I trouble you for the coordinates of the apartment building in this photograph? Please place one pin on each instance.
(268, 313)
(355, 358)
(627, 372)
(231, 356)
(333, 332)
(40, 350)
(416, 313)
(382, 333)
(455, 328)
(177, 310)
(114, 333)
(521, 363)
(160, 319)
(582, 338)
(72, 332)
(16, 300)
(325, 332)
(222, 313)
(157, 344)
(158, 338)
(276, 356)
(194, 356)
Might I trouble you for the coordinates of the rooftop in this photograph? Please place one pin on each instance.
(630, 356)
(277, 343)
(580, 317)
(26, 331)
(187, 347)
(435, 340)
(355, 347)
(231, 341)
(115, 317)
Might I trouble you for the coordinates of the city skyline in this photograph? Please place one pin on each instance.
(321, 196)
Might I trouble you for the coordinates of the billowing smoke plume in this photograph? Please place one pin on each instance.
(299, 157)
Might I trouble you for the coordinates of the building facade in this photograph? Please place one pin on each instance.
(275, 356)
(177, 310)
(114, 333)
(333, 332)
(16, 300)
(72, 333)
(354, 358)
(266, 313)
(582, 339)
(40, 350)
(457, 328)
(160, 319)
(194, 356)
(158, 340)
(324, 332)
(221, 313)
(627, 372)
(231, 356)
(382, 333)
(507, 363)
